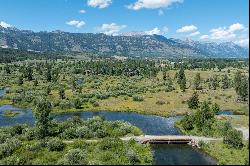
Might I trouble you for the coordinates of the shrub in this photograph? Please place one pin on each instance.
(69, 133)
(138, 98)
(15, 160)
(233, 138)
(29, 133)
(55, 144)
(66, 104)
(83, 132)
(74, 157)
(187, 122)
(216, 108)
(77, 103)
(3, 137)
(95, 104)
(10, 145)
(222, 127)
(160, 102)
(16, 130)
(132, 156)
(34, 147)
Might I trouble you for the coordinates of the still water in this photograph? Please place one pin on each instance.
(149, 124)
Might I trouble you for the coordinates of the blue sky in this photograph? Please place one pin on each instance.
(207, 20)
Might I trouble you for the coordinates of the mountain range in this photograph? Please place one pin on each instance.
(129, 44)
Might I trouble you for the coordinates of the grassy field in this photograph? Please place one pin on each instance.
(226, 155)
(174, 101)
(236, 120)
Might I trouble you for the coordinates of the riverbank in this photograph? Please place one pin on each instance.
(226, 155)
(223, 153)
(90, 108)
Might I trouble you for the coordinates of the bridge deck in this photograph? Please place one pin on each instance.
(170, 139)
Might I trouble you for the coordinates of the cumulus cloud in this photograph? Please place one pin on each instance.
(155, 31)
(204, 37)
(236, 27)
(152, 4)
(243, 42)
(82, 11)
(5, 25)
(99, 3)
(111, 29)
(194, 33)
(225, 33)
(75, 23)
(221, 33)
(187, 28)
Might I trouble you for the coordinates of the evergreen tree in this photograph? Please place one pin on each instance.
(20, 80)
(42, 112)
(197, 82)
(164, 75)
(29, 73)
(35, 82)
(213, 82)
(48, 90)
(62, 93)
(216, 108)
(237, 81)
(244, 88)
(49, 74)
(181, 80)
(241, 85)
(193, 102)
(225, 82)
(7, 69)
(204, 117)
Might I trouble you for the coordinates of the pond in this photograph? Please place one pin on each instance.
(2, 92)
(225, 112)
(149, 124)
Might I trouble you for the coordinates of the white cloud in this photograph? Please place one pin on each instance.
(99, 3)
(243, 42)
(82, 11)
(226, 33)
(75, 23)
(204, 37)
(187, 28)
(221, 33)
(155, 31)
(160, 12)
(111, 29)
(194, 33)
(5, 25)
(152, 4)
(236, 27)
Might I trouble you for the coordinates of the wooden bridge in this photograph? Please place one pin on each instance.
(163, 139)
(170, 139)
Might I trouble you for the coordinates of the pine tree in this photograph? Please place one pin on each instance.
(181, 80)
(225, 82)
(197, 82)
(42, 112)
(20, 80)
(244, 88)
(164, 75)
(62, 93)
(193, 102)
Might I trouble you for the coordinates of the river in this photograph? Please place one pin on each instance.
(149, 124)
